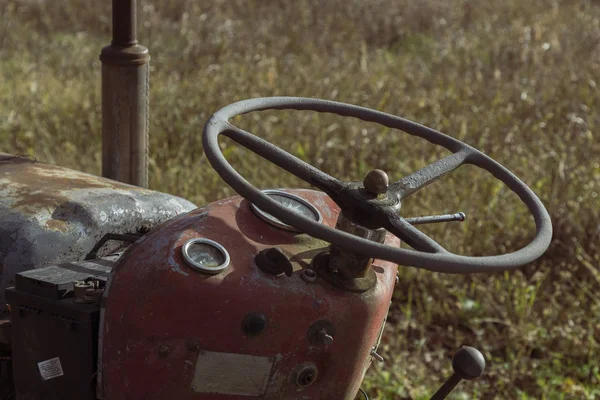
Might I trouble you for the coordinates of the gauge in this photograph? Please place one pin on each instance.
(205, 255)
(293, 203)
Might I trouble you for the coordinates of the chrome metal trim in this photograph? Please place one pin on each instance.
(268, 218)
(199, 267)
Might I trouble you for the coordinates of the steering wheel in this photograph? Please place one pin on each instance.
(380, 211)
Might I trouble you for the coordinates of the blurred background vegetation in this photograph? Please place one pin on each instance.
(517, 79)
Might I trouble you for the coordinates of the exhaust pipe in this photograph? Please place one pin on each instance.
(125, 90)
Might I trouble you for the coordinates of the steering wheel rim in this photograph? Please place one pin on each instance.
(438, 260)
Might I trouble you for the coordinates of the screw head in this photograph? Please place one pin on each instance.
(376, 182)
(468, 363)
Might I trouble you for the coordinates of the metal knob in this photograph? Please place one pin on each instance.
(274, 262)
(468, 363)
(376, 182)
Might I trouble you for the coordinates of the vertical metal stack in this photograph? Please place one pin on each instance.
(125, 88)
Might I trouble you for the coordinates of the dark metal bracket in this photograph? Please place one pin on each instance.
(132, 238)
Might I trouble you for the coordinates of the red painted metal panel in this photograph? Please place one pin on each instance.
(160, 313)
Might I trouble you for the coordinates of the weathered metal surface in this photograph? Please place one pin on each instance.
(53, 346)
(346, 269)
(432, 219)
(124, 17)
(51, 215)
(57, 323)
(125, 88)
(57, 282)
(227, 373)
(155, 302)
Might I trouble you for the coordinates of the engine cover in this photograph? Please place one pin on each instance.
(51, 215)
(171, 331)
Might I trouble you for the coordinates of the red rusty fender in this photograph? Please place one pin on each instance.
(170, 331)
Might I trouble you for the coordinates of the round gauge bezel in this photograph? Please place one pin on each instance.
(268, 218)
(199, 267)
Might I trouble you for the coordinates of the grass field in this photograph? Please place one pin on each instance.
(517, 79)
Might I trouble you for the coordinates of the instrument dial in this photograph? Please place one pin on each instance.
(205, 255)
(293, 203)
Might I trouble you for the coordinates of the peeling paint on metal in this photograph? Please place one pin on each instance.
(229, 373)
(51, 215)
(210, 308)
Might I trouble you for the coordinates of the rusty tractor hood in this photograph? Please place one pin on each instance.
(50, 214)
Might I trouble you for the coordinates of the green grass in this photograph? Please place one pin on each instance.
(517, 79)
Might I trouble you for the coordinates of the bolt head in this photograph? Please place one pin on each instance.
(376, 182)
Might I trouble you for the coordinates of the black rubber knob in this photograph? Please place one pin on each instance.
(468, 363)
(274, 262)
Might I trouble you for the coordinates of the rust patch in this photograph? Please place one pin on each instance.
(39, 175)
(57, 225)
(290, 304)
(39, 185)
(31, 203)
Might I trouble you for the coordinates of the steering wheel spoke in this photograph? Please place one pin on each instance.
(327, 183)
(429, 174)
(412, 236)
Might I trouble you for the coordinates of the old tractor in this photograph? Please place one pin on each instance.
(113, 291)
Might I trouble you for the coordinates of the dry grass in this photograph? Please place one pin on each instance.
(516, 79)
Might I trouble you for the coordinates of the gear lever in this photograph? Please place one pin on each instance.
(468, 363)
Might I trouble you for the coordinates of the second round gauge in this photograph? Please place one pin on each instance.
(293, 203)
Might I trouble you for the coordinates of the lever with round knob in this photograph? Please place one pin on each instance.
(468, 363)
